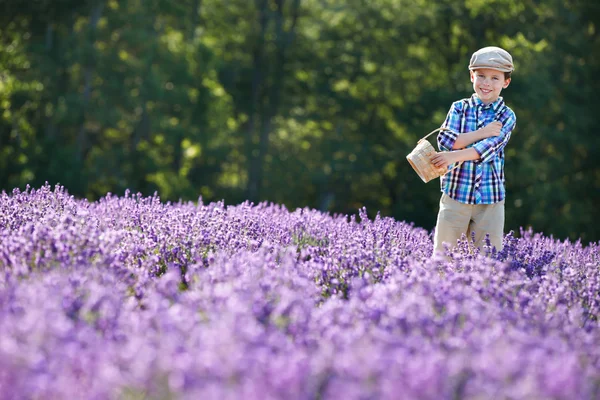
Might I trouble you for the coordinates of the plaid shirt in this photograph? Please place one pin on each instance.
(479, 181)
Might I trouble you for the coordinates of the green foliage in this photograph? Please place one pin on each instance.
(300, 102)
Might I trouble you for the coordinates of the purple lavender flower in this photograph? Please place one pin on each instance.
(130, 297)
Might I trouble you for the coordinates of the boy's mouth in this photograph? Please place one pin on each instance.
(485, 91)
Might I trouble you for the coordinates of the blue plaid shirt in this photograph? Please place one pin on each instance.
(479, 181)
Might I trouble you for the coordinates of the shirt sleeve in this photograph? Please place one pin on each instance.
(489, 148)
(447, 138)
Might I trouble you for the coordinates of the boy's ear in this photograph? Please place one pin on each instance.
(506, 83)
(472, 74)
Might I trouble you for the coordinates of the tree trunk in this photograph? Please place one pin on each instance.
(88, 76)
(257, 81)
(191, 37)
(284, 41)
(56, 47)
(195, 14)
(50, 126)
(143, 129)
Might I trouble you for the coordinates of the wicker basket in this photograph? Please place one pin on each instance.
(420, 159)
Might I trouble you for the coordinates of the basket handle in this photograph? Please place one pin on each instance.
(434, 131)
(441, 129)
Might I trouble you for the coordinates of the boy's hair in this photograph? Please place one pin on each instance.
(507, 75)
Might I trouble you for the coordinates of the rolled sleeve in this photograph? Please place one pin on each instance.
(447, 138)
(489, 148)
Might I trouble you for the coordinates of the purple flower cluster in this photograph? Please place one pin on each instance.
(131, 298)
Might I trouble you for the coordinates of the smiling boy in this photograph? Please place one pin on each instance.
(473, 194)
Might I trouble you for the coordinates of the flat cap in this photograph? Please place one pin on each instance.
(492, 57)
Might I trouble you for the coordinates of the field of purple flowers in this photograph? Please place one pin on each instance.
(132, 298)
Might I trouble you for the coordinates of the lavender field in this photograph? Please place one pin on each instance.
(133, 298)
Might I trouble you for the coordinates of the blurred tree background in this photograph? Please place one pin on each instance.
(299, 102)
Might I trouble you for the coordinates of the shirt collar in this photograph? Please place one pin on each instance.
(495, 106)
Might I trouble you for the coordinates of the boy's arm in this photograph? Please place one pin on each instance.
(482, 151)
(447, 158)
(489, 148)
(446, 139)
(452, 139)
(488, 131)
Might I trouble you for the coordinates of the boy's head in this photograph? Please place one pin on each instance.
(491, 69)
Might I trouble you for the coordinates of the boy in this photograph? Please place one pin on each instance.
(473, 194)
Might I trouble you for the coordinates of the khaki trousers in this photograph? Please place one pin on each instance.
(456, 218)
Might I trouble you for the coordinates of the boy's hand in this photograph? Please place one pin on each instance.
(492, 129)
(444, 158)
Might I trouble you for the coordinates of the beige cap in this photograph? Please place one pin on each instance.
(492, 57)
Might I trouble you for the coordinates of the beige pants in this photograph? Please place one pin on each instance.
(456, 218)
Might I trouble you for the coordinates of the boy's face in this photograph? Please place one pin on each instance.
(488, 83)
